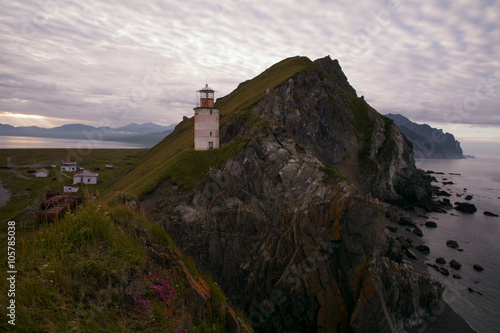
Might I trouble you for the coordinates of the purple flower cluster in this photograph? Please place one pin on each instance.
(164, 291)
(142, 303)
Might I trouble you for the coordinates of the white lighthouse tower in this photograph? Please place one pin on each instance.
(206, 121)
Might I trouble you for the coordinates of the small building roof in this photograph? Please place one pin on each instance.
(86, 173)
(68, 162)
(42, 170)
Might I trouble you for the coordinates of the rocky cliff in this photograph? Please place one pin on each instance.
(428, 142)
(285, 215)
(321, 111)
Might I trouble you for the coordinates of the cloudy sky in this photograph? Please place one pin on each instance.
(109, 63)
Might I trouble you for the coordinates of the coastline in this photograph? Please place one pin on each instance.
(445, 320)
(4, 195)
(442, 317)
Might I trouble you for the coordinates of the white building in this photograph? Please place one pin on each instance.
(42, 173)
(85, 177)
(206, 121)
(71, 188)
(68, 166)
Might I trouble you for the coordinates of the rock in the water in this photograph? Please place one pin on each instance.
(410, 254)
(455, 264)
(465, 207)
(405, 220)
(431, 224)
(474, 291)
(469, 197)
(490, 214)
(417, 231)
(423, 248)
(443, 271)
(440, 260)
(391, 228)
(478, 267)
(443, 193)
(404, 243)
(457, 276)
(451, 243)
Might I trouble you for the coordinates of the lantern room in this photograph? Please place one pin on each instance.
(206, 97)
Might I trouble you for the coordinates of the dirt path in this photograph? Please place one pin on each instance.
(9, 162)
(17, 173)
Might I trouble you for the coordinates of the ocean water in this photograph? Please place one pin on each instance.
(16, 142)
(477, 234)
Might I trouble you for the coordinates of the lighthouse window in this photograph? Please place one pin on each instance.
(210, 133)
(210, 112)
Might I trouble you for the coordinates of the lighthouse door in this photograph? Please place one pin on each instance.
(210, 145)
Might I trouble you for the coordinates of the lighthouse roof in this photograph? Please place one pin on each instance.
(206, 88)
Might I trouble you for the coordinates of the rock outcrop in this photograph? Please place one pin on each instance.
(428, 142)
(322, 112)
(290, 225)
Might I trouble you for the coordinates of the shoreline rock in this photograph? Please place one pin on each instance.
(478, 268)
(465, 207)
(449, 318)
(455, 264)
(431, 224)
(490, 214)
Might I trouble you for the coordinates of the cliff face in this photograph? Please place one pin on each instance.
(322, 112)
(428, 142)
(288, 224)
(290, 241)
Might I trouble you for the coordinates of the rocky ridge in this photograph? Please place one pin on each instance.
(289, 225)
(428, 142)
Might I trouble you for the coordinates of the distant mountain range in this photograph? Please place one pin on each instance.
(147, 133)
(428, 142)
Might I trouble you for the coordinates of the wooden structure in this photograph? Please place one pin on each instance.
(55, 207)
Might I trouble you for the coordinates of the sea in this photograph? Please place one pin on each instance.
(17, 142)
(477, 234)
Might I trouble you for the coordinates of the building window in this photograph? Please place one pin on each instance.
(210, 112)
(210, 133)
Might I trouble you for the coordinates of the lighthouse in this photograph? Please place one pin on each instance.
(206, 121)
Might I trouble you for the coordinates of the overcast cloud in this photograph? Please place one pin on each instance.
(115, 62)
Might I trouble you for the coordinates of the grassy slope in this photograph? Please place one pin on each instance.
(75, 275)
(249, 92)
(175, 157)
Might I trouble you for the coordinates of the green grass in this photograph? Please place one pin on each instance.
(72, 276)
(26, 194)
(253, 90)
(67, 265)
(186, 168)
